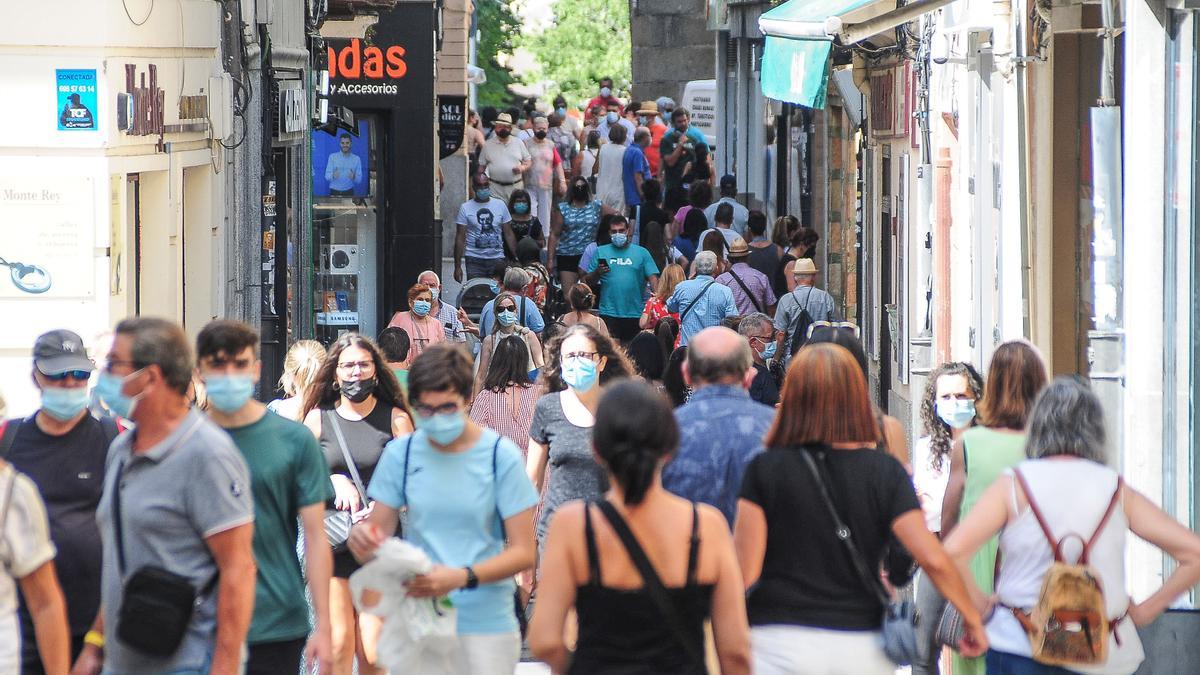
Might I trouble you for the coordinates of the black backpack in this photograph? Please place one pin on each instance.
(804, 321)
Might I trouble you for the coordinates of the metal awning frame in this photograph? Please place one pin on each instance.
(835, 29)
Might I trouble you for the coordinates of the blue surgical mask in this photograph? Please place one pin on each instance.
(421, 307)
(605, 91)
(580, 373)
(562, 112)
(64, 403)
(228, 393)
(612, 117)
(506, 318)
(443, 428)
(108, 388)
(495, 288)
(521, 208)
(483, 194)
(620, 240)
(768, 351)
(956, 412)
(435, 292)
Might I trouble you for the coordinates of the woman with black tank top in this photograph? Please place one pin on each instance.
(643, 568)
(355, 407)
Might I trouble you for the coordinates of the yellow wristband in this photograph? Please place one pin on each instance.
(94, 639)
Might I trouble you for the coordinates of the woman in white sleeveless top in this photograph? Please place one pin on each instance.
(1072, 487)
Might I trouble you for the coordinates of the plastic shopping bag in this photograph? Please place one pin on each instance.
(419, 634)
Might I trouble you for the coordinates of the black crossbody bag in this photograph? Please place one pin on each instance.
(156, 603)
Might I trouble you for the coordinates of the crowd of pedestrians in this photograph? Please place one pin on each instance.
(663, 459)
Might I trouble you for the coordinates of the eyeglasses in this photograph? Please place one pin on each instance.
(761, 338)
(581, 355)
(430, 411)
(134, 365)
(77, 374)
(836, 325)
(360, 365)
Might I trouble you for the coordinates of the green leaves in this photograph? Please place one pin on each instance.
(588, 40)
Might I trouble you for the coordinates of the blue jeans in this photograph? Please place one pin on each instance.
(1003, 663)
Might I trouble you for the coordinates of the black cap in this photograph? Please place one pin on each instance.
(59, 351)
(728, 181)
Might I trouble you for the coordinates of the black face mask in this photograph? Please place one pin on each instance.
(503, 133)
(357, 391)
(580, 191)
(539, 135)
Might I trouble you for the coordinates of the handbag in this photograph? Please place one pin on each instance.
(156, 603)
(899, 627)
(338, 522)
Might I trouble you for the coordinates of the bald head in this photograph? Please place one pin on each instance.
(717, 356)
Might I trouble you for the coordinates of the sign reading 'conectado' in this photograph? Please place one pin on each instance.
(358, 69)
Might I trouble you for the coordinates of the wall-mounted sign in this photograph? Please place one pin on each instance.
(140, 108)
(292, 108)
(452, 123)
(48, 246)
(389, 65)
(360, 69)
(890, 105)
(76, 94)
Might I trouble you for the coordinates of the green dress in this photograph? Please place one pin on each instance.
(988, 453)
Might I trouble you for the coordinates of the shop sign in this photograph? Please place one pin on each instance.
(390, 66)
(360, 69)
(293, 115)
(140, 108)
(452, 123)
(890, 104)
(76, 96)
(54, 254)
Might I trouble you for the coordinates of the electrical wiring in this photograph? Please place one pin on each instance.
(124, 3)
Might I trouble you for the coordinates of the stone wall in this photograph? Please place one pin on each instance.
(671, 46)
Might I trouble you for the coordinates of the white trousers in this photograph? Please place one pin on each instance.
(495, 654)
(542, 199)
(799, 650)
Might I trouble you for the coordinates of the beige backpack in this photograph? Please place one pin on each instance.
(1069, 625)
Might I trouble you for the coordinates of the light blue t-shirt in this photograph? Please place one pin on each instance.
(453, 500)
(348, 168)
(622, 290)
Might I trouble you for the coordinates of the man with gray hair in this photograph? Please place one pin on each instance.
(720, 428)
(515, 280)
(760, 333)
(176, 512)
(455, 321)
(700, 301)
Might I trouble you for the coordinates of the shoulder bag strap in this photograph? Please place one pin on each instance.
(757, 304)
(116, 516)
(653, 584)
(8, 497)
(496, 487)
(341, 441)
(1037, 513)
(843, 533)
(407, 468)
(687, 310)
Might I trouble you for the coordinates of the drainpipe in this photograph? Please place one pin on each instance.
(942, 184)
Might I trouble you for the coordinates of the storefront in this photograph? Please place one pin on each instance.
(373, 177)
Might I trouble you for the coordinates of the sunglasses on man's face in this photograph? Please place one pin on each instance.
(77, 374)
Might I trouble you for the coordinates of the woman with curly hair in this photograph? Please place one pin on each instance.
(947, 410)
(581, 362)
(353, 406)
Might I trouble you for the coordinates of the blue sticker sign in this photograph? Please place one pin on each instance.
(75, 91)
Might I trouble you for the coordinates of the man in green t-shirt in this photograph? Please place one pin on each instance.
(622, 270)
(289, 481)
(684, 151)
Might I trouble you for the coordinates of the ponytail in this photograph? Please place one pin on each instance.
(635, 430)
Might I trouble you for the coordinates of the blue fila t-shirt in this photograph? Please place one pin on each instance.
(622, 290)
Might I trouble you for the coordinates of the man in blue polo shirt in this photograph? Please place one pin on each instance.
(622, 268)
(634, 170)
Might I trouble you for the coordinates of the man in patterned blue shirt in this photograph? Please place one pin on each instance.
(720, 428)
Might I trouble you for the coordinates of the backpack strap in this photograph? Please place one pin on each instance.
(1056, 544)
(8, 434)
(1112, 505)
(757, 305)
(1037, 513)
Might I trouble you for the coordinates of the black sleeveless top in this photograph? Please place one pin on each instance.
(365, 439)
(622, 631)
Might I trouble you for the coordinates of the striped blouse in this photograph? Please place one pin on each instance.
(496, 412)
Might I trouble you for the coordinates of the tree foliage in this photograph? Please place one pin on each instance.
(498, 33)
(588, 40)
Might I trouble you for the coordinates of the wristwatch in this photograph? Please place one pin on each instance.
(472, 580)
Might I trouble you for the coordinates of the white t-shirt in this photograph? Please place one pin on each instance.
(729, 235)
(930, 483)
(24, 546)
(499, 159)
(610, 185)
(485, 237)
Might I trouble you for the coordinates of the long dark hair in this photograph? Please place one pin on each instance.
(634, 431)
(694, 223)
(654, 240)
(323, 392)
(941, 436)
(509, 364)
(647, 355)
(618, 365)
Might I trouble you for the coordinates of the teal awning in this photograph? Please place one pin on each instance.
(796, 71)
(800, 35)
(795, 63)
